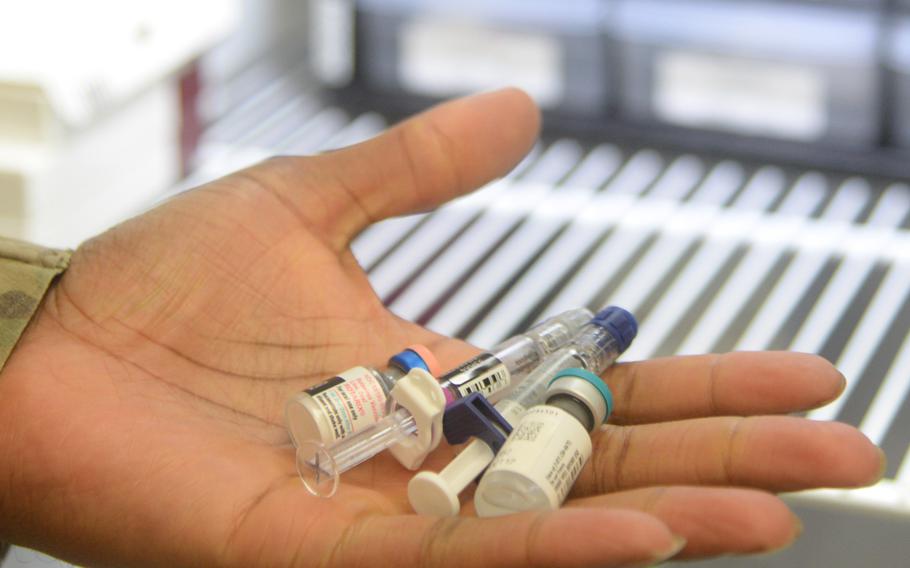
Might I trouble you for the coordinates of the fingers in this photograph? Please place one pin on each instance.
(426, 160)
(776, 453)
(713, 521)
(737, 384)
(570, 538)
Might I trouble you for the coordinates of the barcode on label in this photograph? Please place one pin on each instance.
(491, 382)
(528, 431)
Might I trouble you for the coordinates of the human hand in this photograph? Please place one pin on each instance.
(141, 414)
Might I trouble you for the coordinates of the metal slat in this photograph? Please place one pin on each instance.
(268, 90)
(364, 127)
(432, 239)
(381, 240)
(889, 399)
(553, 265)
(847, 284)
(847, 204)
(438, 281)
(310, 137)
(551, 215)
(865, 386)
(710, 262)
(666, 196)
(867, 335)
(624, 246)
(803, 199)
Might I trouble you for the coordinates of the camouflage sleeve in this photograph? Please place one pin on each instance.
(26, 272)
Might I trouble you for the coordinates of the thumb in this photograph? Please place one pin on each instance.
(422, 162)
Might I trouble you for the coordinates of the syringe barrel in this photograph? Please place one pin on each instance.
(494, 372)
(595, 347)
(531, 391)
(321, 466)
(355, 450)
(524, 352)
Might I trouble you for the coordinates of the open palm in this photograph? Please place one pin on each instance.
(141, 415)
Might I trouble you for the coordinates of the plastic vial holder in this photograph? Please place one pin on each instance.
(411, 432)
(352, 401)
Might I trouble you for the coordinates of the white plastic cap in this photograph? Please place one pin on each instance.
(436, 494)
(430, 494)
(420, 394)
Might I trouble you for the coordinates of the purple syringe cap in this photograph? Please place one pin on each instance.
(620, 323)
(475, 416)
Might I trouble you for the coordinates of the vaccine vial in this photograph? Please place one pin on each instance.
(352, 401)
(540, 461)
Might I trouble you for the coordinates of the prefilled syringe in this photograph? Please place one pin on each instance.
(320, 464)
(596, 346)
(491, 374)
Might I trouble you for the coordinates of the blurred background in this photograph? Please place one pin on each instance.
(733, 171)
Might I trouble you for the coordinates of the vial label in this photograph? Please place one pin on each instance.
(484, 374)
(351, 402)
(548, 448)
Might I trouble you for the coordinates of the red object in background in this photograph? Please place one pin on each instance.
(190, 121)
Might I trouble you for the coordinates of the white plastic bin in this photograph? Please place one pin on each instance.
(556, 51)
(786, 70)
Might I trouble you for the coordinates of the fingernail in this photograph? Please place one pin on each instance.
(840, 390)
(882, 467)
(797, 532)
(678, 544)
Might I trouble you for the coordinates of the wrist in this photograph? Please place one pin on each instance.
(28, 381)
(27, 275)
